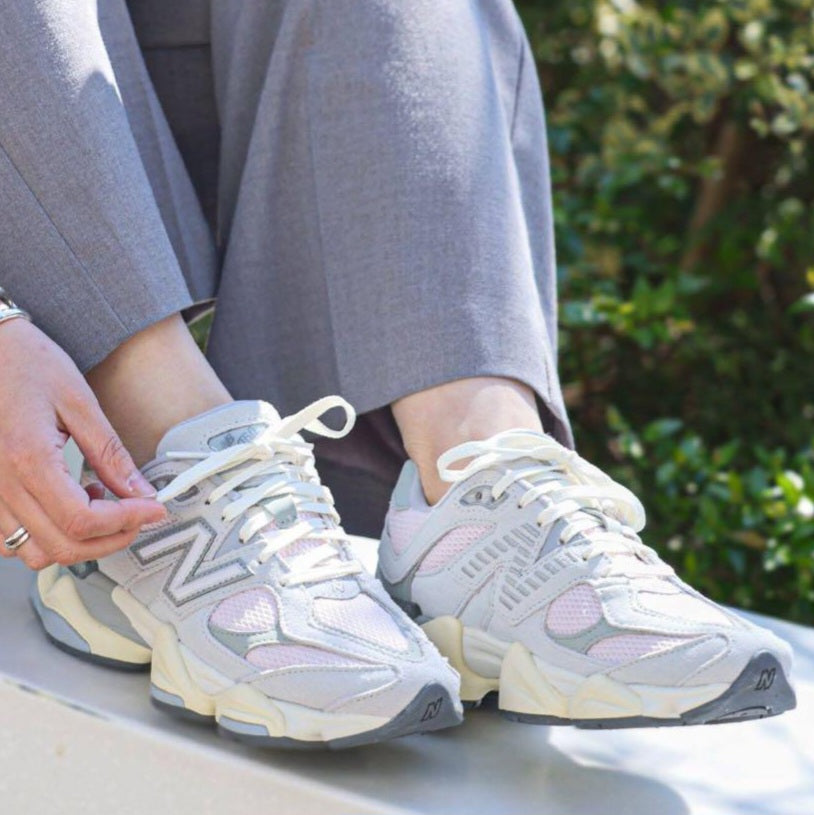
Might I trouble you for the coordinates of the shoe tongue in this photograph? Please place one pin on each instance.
(222, 427)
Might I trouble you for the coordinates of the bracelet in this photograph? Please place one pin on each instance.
(9, 310)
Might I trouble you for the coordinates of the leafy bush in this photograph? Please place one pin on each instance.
(683, 168)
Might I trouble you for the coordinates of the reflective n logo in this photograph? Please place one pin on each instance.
(432, 710)
(195, 572)
(766, 679)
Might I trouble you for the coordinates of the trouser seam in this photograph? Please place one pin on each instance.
(85, 271)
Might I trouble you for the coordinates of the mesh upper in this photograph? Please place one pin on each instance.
(282, 655)
(575, 610)
(361, 617)
(685, 606)
(402, 525)
(623, 648)
(453, 544)
(252, 611)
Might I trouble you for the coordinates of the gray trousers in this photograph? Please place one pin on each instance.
(362, 184)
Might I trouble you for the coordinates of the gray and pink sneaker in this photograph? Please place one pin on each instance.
(247, 603)
(530, 577)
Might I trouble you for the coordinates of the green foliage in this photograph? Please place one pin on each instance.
(683, 167)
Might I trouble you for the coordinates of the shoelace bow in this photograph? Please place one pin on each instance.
(278, 464)
(570, 488)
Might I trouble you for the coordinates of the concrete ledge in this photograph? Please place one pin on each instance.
(75, 738)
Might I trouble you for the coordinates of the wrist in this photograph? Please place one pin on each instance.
(9, 310)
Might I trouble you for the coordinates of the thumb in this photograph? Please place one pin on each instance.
(103, 449)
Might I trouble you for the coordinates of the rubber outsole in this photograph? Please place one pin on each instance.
(105, 662)
(432, 709)
(761, 690)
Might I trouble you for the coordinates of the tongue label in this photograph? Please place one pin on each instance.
(237, 435)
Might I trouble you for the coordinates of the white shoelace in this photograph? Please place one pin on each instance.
(278, 463)
(570, 487)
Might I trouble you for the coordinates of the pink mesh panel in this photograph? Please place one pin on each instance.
(402, 524)
(623, 648)
(282, 655)
(362, 617)
(252, 611)
(575, 610)
(684, 606)
(453, 544)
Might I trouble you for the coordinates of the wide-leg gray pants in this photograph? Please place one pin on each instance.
(362, 184)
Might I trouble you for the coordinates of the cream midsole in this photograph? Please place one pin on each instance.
(59, 594)
(526, 684)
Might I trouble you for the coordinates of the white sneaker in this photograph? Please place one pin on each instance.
(248, 602)
(530, 577)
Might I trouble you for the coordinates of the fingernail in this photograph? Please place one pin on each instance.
(139, 486)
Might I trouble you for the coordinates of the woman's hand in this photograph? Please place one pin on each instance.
(44, 399)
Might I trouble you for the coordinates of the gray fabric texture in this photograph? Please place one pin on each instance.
(98, 215)
(375, 174)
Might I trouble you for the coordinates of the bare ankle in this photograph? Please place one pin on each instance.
(155, 380)
(434, 420)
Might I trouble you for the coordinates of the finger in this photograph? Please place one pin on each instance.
(46, 477)
(34, 556)
(105, 517)
(30, 552)
(102, 447)
(58, 546)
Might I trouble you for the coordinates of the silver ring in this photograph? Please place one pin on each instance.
(17, 539)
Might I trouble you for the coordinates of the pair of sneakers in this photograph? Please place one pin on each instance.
(528, 579)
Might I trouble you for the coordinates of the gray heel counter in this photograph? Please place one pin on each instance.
(400, 500)
(402, 492)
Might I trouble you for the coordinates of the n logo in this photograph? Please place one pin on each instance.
(766, 679)
(195, 572)
(433, 709)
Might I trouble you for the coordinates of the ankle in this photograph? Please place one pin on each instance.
(434, 420)
(152, 382)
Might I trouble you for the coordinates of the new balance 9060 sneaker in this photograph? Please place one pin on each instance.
(530, 577)
(247, 600)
